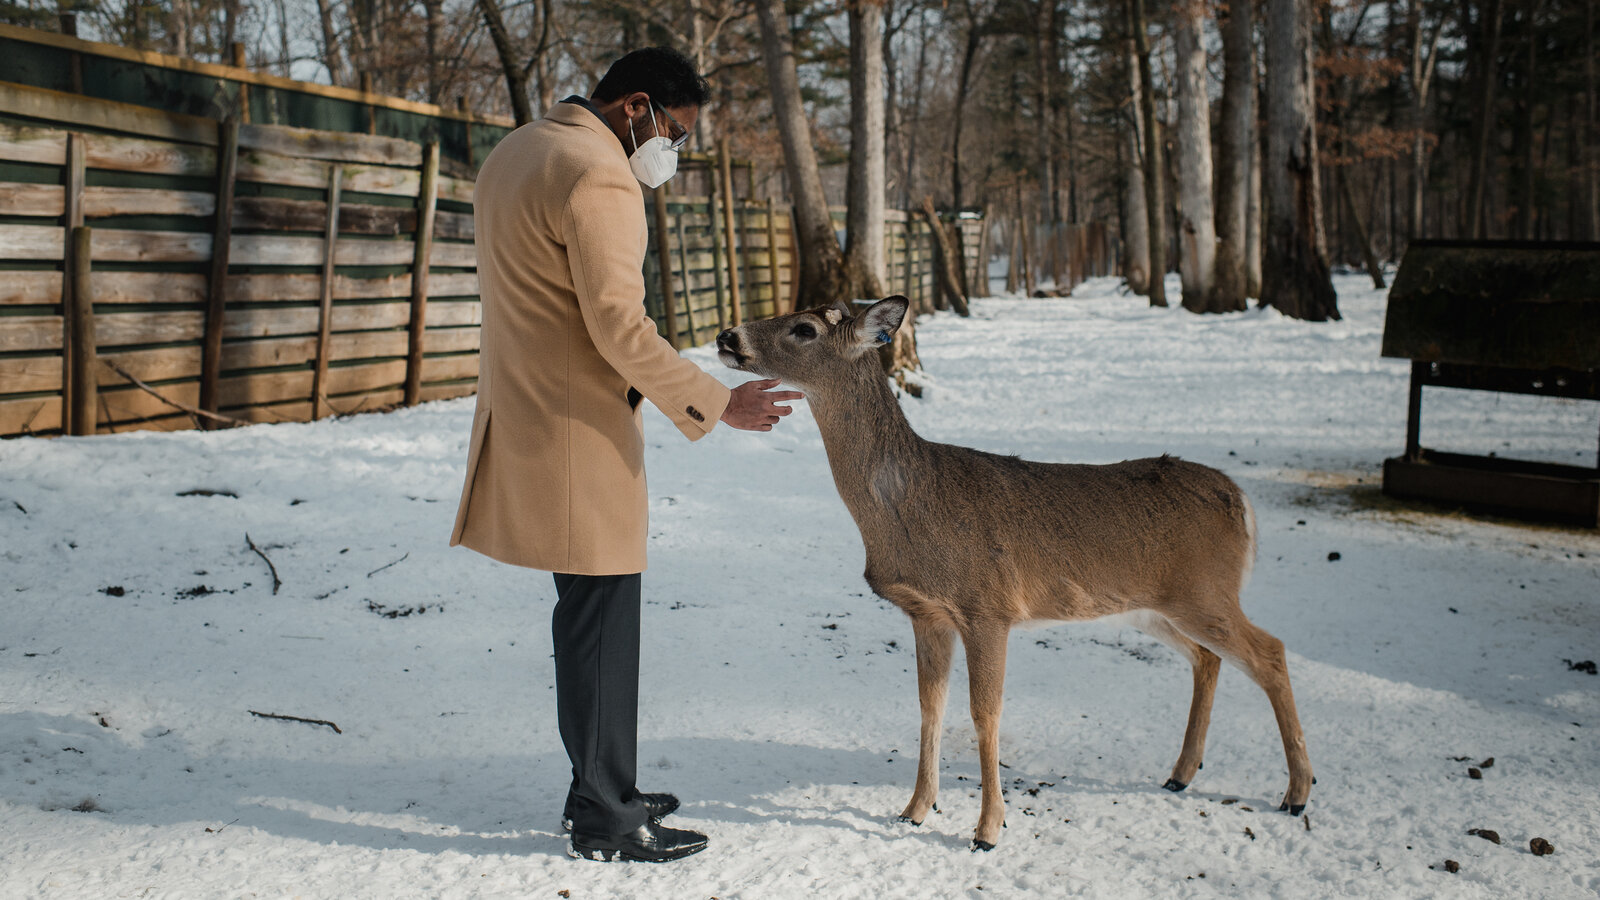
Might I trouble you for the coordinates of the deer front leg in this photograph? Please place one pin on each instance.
(986, 672)
(934, 643)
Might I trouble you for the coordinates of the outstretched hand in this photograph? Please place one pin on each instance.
(754, 406)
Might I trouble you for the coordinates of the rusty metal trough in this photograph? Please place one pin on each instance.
(1509, 316)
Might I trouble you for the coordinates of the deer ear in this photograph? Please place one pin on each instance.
(881, 320)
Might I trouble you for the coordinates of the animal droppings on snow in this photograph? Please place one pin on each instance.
(1474, 774)
(1587, 667)
(1541, 847)
(1451, 866)
(1486, 834)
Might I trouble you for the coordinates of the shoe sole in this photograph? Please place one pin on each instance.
(610, 855)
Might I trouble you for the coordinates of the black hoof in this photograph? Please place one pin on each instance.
(1174, 785)
(1295, 810)
(985, 846)
(909, 820)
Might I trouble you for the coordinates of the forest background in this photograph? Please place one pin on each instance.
(1251, 147)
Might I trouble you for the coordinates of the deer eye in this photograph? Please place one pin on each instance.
(804, 331)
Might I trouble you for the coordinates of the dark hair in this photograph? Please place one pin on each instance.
(665, 74)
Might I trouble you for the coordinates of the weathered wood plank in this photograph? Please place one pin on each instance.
(119, 201)
(146, 287)
(176, 422)
(124, 245)
(274, 412)
(22, 143)
(130, 154)
(454, 284)
(121, 404)
(279, 214)
(262, 288)
(30, 415)
(453, 340)
(457, 189)
(300, 351)
(463, 256)
(18, 288)
(264, 387)
(455, 312)
(116, 329)
(31, 242)
(367, 377)
(25, 333)
(451, 226)
(26, 374)
(273, 168)
(159, 364)
(19, 199)
(269, 322)
(76, 109)
(448, 368)
(338, 146)
(286, 250)
(448, 391)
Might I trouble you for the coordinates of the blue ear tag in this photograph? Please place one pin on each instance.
(884, 338)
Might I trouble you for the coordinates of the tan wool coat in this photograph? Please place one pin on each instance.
(555, 470)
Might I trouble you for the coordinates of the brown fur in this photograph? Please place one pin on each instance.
(970, 543)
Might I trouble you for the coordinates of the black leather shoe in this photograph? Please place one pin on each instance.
(650, 842)
(656, 806)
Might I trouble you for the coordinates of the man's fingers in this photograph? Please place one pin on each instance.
(779, 410)
(785, 395)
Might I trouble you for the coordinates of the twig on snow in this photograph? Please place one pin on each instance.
(219, 830)
(276, 583)
(184, 407)
(381, 568)
(20, 507)
(296, 719)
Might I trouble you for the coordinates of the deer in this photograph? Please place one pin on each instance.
(970, 544)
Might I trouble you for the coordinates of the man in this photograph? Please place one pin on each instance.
(555, 472)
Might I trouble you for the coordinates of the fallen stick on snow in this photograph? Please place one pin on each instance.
(381, 568)
(276, 583)
(296, 719)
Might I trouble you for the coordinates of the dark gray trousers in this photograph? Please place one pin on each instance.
(596, 631)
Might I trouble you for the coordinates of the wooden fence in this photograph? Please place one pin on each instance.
(261, 273)
(228, 271)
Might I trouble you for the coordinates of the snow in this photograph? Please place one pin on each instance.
(779, 696)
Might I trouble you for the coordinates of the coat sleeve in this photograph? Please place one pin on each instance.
(606, 240)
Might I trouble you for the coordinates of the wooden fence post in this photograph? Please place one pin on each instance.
(217, 286)
(372, 112)
(319, 374)
(82, 353)
(716, 249)
(240, 62)
(73, 196)
(735, 304)
(772, 255)
(683, 271)
(427, 205)
(669, 303)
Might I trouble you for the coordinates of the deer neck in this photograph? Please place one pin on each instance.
(871, 447)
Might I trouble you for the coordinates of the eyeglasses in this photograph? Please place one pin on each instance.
(683, 133)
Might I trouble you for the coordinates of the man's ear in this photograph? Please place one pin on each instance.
(881, 320)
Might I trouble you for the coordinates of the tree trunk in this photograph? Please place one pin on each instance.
(864, 244)
(510, 65)
(1525, 104)
(1197, 256)
(1235, 135)
(1295, 277)
(1374, 267)
(1591, 129)
(1154, 167)
(1044, 120)
(1422, 69)
(822, 272)
(1488, 52)
(944, 261)
(1135, 224)
(332, 57)
(969, 54)
(1253, 221)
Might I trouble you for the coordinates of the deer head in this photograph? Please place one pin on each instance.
(811, 347)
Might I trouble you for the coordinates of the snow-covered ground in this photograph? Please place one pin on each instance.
(138, 630)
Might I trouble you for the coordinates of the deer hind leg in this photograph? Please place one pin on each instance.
(986, 671)
(1235, 638)
(934, 644)
(1206, 666)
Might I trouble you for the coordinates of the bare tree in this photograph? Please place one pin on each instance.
(515, 71)
(1234, 140)
(1197, 244)
(823, 278)
(1154, 167)
(1487, 56)
(864, 247)
(1295, 277)
(1424, 58)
